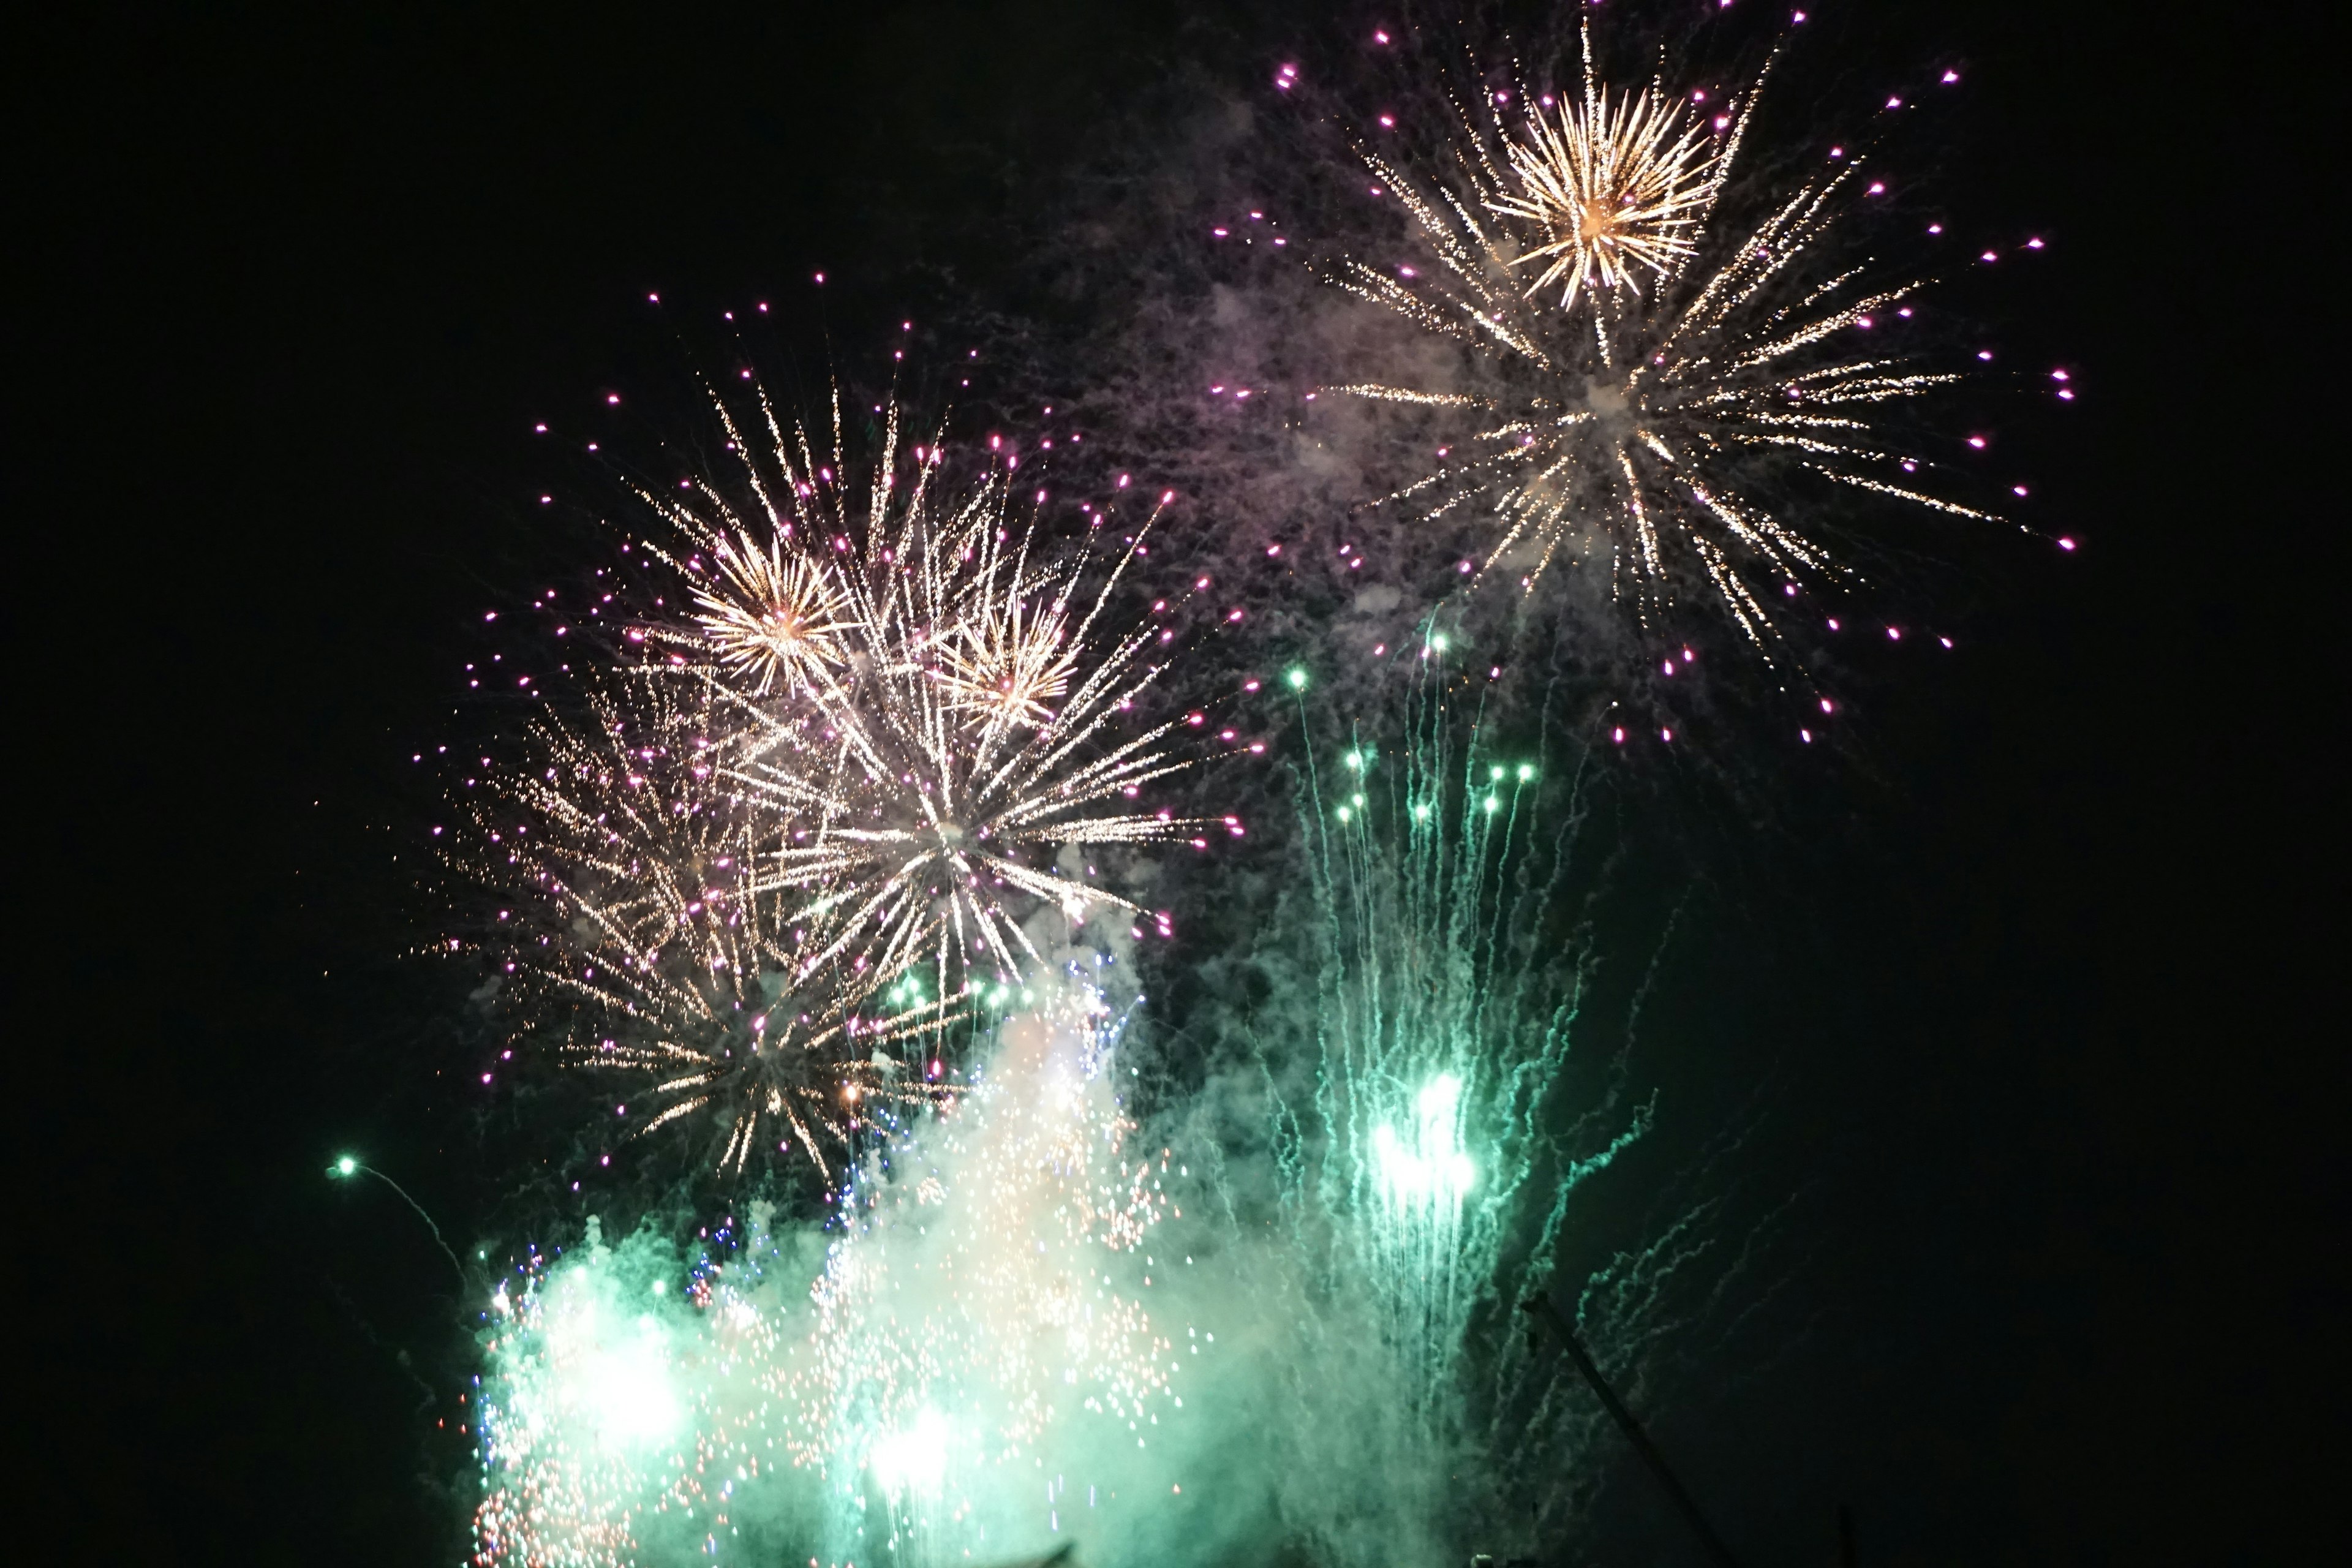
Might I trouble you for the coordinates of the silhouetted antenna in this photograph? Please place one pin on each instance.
(1540, 1308)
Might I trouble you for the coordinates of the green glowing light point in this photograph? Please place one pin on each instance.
(1526, 771)
(345, 1167)
(1437, 643)
(1343, 813)
(1355, 759)
(1495, 773)
(1492, 805)
(1297, 678)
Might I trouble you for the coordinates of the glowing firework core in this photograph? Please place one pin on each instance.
(1617, 188)
(1431, 1171)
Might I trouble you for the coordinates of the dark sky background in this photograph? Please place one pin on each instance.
(2034, 986)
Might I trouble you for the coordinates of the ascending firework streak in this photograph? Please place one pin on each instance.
(1648, 377)
(1445, 1010)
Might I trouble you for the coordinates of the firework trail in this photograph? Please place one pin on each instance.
(1659, 386)
(1447, 995)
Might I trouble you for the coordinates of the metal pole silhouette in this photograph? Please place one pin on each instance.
(1540, 1308)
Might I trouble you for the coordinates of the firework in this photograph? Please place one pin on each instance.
(770, 617)
(1697, 378)
(980, 1308)
(583, 1411)
(986, 1293)
(641, 925)
(955, 745)
(1446, 1003)
(1618, 184)
(777, 846)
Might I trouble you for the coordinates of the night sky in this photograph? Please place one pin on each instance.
(2015, 1000)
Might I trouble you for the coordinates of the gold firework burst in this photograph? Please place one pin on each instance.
(951, 784)
(1617, 185)
(644, 924)
(1656, 435)
(1009, 667)
(771, 618)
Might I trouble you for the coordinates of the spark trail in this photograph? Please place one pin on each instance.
(1447, 997)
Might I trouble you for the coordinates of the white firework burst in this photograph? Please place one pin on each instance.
(1666, 436)
(642, 924)
(964, 741)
